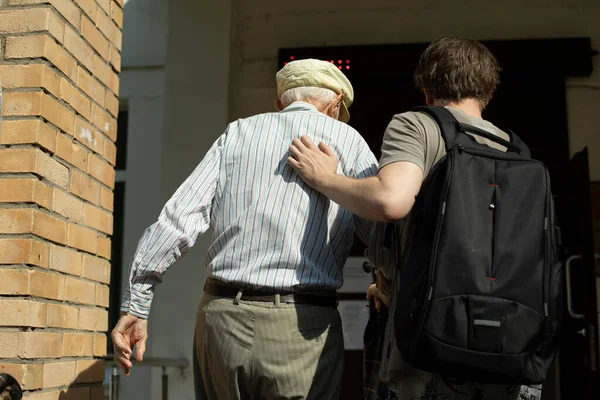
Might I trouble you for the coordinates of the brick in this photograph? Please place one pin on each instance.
(28, 131)
(107, 199)
(96, 269)
(93, 319)
(14, 281)
(103, 121)
(9, 344)
(39, 104)
(49, 227)
(110, 152)
(48, 286)
(65, 7)
(40, 345)
(31, 20)
(106, 75)
(62, 316)
(75, 98)
(67, 205)
(101, 170)
(59, 374)
(97, 218)
(82, 238)
(104, 5)
(102, 295)
(88, 135)
(89, 371)
(84, 187)
(22, 104)
(112, 104)
(116, 13)
(30, 76)
(95, 38)
(71, 152)
(80, 291)
(100, 345)
(109, 28)
(77, 345)
(89, 7)
(79, 48)
(25, 190)
(25, 313)
(41, 46)
(115, 59)
(16, 220)
(90, 86)
(65, 260)
(51, 169)
(28, 251)
(29, 376)
(104, 248)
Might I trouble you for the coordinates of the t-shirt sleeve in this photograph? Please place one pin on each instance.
(404, 140)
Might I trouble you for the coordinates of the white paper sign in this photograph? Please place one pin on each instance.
(355, 315)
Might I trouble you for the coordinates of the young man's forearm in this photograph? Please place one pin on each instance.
(367, 198)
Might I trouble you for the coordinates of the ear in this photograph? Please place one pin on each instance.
(278, 105)
(428, 99)
(333, 109)
(338, 99)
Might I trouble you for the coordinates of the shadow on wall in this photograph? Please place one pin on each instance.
(87, 384)
(89, 372)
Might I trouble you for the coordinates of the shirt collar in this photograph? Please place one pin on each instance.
(300, 106)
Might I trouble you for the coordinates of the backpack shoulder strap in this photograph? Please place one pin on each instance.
(446, 122)
(520, 144)
(453, 132)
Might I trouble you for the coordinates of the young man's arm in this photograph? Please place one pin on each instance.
(389, 196)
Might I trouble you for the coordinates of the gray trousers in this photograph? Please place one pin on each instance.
(257, 350)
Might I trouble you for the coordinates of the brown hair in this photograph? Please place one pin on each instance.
(453, 69)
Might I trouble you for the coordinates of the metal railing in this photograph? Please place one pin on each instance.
(150, 362)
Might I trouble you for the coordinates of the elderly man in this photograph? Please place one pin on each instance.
(268, 325)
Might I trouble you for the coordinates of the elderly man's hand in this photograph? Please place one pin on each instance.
(130, 331)
(314, 164)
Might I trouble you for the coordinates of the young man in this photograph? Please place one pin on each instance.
(461, 75)
(268, 325)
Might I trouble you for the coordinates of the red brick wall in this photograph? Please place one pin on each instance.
(59, 69)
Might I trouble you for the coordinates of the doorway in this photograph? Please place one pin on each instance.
(530, 101)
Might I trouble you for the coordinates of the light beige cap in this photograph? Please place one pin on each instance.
(323, 74)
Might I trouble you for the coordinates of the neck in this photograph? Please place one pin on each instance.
(468, 106)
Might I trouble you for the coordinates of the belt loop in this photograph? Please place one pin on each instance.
(277, 300)
(238, 296)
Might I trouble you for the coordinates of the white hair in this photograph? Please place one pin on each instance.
(312, 93)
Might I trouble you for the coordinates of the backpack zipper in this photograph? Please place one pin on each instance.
(451, 154)
(492, 208)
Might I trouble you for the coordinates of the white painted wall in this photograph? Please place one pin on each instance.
(144, 33)
(143, 92)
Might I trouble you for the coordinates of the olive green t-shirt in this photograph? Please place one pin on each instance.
(415, 137)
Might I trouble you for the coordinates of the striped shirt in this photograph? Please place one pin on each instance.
(269, 229)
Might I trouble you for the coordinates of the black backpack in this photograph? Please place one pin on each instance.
(480, 294)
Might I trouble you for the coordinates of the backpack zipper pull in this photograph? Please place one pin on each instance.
(493, 201)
